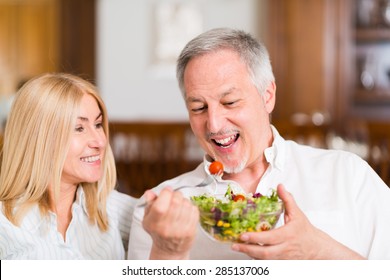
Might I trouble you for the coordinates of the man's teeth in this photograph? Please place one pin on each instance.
(226, 140)
(90, 159)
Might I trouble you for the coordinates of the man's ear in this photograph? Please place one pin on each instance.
(269, 97)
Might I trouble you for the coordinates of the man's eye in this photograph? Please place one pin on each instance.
(198, 109)
(229, 103)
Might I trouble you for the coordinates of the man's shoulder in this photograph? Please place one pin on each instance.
(317, 153)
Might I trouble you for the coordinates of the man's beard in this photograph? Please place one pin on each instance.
(237, 168)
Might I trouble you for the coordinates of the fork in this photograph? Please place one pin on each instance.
(207, 181)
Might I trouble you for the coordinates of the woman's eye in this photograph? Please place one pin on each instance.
(99, 125)
(79, 129)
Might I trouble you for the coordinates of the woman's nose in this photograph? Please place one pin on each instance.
(98, 139)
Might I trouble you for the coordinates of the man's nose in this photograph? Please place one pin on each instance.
(215, 119)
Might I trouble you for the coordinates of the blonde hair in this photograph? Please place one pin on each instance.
(36, 142)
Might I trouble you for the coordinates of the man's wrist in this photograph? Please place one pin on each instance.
(159, 254)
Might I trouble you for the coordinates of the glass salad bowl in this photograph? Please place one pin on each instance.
(225, 218)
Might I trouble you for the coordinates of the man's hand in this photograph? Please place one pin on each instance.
(171, 220)
(297, 239)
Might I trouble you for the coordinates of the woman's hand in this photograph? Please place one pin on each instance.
(297, 239)
(171, 220)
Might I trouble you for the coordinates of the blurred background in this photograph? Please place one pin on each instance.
(331, 60)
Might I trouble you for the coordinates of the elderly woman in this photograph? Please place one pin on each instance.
(58, 176)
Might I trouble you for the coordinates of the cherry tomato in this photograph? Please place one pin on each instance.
(264, 226)
(216, 168)
(238, 197)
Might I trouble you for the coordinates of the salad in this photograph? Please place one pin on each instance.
(227, 217)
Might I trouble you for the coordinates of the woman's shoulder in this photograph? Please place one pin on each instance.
(121, 200)
(120, 205)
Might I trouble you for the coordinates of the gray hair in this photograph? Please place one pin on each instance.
(253, 53)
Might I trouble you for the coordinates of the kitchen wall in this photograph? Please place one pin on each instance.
(139, 40)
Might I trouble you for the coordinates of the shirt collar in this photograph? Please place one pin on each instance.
(33, 220)
(275, 155)
(80, 199)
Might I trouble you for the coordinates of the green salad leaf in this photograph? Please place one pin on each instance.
(227, 217)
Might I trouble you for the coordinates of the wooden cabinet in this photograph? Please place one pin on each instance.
(38, 36)
(303, 38)
(78, 33)
(371, 60)
(28, 40)
(319, 52)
